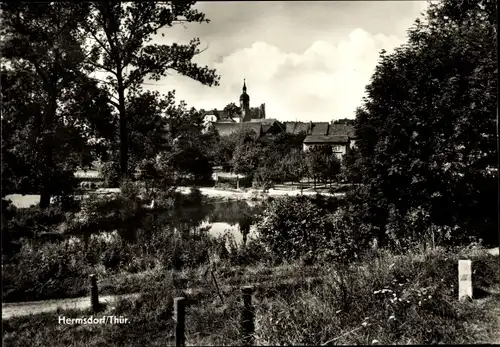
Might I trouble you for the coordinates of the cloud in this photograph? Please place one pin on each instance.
(324, 82)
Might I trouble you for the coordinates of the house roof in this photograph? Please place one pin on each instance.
(341, 129)
(257, 127)
(263, 120)
(296, 127)
(320, 128)
(326, 139)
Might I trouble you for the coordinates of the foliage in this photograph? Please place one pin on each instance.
(426, 131)
(232, 110)
(347, 121)
(322, 164)
(301, 227)
(27, 223)
(110, 173)
(46, 132)
(246, 158)
(120, 35)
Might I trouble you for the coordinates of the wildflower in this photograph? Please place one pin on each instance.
(375, 342)
(400, 284)
(420, 303)
(430, 296)
(364, 324)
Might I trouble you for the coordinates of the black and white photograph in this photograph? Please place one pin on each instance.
(249, 173)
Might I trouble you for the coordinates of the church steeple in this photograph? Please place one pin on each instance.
(245, 104)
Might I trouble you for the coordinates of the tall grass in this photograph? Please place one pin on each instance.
(386, 299)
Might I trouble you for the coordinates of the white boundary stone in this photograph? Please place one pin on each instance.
(464, 280)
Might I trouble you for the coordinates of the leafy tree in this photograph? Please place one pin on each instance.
(246, 158)
(226, 145)
(232, 110)
(121, 34)
(427, 127)
(331, 168)
(51, 112)
(346, 121)
(316, 160)
(163, 126)
(295, 166)
(187, 159)
(284, 142)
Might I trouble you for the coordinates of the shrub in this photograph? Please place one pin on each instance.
(244, 182)
(297, 227)
(27, 223)
(45, 271)
(110, 173)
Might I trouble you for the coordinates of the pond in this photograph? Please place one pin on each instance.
(236, 218)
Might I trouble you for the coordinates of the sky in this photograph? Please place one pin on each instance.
(306, 60)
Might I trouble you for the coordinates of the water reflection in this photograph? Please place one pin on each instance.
(234, 217)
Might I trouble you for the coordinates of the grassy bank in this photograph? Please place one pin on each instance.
(410, 299)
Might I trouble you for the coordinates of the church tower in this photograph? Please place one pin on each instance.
(245, 104)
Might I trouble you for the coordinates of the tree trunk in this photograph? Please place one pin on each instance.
(48, 127)
(123, 127)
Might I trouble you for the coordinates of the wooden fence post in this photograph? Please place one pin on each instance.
(464, 280)
(247, 317)
(94, 295)
(180, 320)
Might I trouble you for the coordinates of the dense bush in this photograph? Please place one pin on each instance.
(45, 271)
(110, 173)
(244, 182)
(29, 223)
(308, 228)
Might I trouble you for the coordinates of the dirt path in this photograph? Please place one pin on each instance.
(16, 309)
(35, 307)
(213, 192)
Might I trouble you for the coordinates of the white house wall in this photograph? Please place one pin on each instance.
(341, 149)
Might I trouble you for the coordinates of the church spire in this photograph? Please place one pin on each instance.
(245, 104)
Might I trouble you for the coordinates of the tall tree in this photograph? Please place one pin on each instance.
(121, 35)
(42, 66)
(427, 127)
(232, 110)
